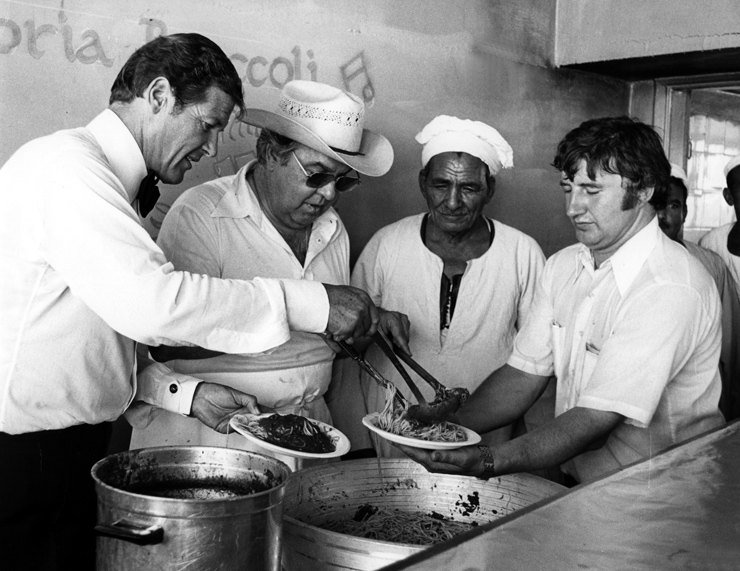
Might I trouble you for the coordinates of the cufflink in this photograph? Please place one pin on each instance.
(173, 388)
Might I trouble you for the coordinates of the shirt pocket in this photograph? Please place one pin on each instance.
(590, 358)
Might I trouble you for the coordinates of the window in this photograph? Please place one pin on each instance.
(714, 138)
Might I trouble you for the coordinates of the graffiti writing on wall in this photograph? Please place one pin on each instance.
(86, 46)
(258, 70)
(88, 50)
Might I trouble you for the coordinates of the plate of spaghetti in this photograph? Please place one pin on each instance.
(291, 435)
(393, 424)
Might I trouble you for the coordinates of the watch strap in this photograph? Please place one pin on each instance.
(488, 463)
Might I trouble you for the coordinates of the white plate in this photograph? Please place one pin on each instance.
(341, 442)
(371, 419)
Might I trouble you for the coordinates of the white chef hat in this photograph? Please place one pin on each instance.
(680, 174)
(732, 164)
(445, 134)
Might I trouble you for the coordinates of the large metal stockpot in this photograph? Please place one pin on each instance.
(333, 492)
(189, 507)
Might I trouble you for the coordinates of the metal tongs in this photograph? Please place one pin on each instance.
(446, 401)
(370, 370)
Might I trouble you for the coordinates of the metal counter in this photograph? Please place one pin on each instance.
(678, 510)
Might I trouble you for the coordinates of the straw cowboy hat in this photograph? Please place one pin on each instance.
(327, 120)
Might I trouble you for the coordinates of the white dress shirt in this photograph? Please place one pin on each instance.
(82, 279)
(639, 336)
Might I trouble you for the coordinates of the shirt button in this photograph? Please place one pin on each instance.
(173, 388)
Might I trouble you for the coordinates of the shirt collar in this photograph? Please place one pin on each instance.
(627, 261)
(243, 203)
(120, 148)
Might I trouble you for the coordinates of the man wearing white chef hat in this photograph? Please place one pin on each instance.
(627, 321)
(465, 281)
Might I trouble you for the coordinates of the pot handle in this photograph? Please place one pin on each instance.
(131, 532)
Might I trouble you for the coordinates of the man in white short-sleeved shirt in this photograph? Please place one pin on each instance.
(628, 322)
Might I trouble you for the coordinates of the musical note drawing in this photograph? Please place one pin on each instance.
(354, 67)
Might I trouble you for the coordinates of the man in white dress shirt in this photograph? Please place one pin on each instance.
(83, 282)
(627, 321)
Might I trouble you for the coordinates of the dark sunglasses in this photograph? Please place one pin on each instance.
(319, 179)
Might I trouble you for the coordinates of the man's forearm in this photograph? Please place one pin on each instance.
(569, 435)
(501, 399)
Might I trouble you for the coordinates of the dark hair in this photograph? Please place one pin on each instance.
(680, 184)
(621, 146)
(272, 144)
(191, 63)
(490, 179)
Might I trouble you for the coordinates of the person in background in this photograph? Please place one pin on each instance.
(465, 281)
(671, 220)
(83, 283)
(725, 240)
(274, 218)
(627, 321)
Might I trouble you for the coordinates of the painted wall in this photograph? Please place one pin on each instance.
(599, 30)
(410, 60)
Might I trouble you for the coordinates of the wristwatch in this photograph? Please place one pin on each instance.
(487, 454)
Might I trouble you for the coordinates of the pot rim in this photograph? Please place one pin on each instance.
(110, 489)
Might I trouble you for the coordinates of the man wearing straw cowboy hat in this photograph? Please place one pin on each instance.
(274, 218)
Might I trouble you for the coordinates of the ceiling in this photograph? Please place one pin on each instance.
(670, 65)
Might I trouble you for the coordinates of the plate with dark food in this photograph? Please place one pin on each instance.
(291, 435)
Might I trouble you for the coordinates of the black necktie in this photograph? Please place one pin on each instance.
(148, 194)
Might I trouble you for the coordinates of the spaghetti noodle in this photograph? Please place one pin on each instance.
(415, 528)
(394, 419)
